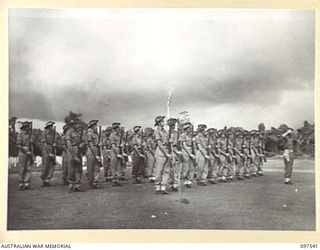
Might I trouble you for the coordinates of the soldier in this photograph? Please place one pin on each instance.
(48, 142)
(189, 158)
(260, 150)
(246, 153)
(150, 153)
(106, 147)
(116, 156)
(25, 155)
(288, 155)
(163, 158)
(202, 155)
(230, 157)
(213, 166)
(74, 145)
(239, 156)
(93, 154)
(253, 159)
(176, 161)
(64, 155)
(138, 156)
(222, 148)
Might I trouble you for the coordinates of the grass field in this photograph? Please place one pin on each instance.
(259, 203)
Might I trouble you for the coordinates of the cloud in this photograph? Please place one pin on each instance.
(120, 64)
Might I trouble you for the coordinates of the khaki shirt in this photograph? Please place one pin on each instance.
(74, 137)
(24, 139)
(162, 136)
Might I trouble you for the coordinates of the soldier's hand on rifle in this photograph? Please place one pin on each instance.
(52, 155)
(76, 159)
(98, 158)
(169, 155)
(54, 144)
(192, 156)
(207, 157)
(142, 156)
(179, 152)
(119, 156)
(29, 153)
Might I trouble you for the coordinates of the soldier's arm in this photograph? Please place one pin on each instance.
(20, 147)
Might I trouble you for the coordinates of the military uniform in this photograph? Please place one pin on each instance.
(239, 157)
(177, 155)
(64, 156)
(138, 157)
(93, 155)
(106, 147)
(288, 156)
(247, 159)
(188, 163)
(202, 156)
(25, 156)
(213, 166)
(150, 155)
(74, 140)
(162, 164)
(48, 141)
(115, 156)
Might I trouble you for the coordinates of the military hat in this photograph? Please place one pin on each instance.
(202, 126)
(92, 122)
(186, 125)
(148, 130)
(172, 121)
(49, 123)
(221, 131)
(136, 128)
(65, 127)
(24, 124)
(116, 125)
(108, 128)
(253, 132)
(159, 119)
(289, 131)
(211, 130)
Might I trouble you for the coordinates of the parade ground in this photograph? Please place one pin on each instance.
(258, 203)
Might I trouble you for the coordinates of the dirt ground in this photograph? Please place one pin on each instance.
(259, 203)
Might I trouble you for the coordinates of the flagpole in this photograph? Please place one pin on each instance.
(168, 104)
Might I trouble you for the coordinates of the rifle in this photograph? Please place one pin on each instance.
(179, 142)
(53, 145)
(120, 146)
(208, 145)
(99, 141)
(250, 155)
(141, 144)
(262, 150)
(31, 144)
(193, 151)
(234, 148)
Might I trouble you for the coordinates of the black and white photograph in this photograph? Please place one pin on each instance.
(161, 118)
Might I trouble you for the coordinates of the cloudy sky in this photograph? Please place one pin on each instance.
(225, 67)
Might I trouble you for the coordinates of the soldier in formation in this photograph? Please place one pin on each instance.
(179, 156)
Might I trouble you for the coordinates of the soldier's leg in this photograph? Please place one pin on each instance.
(45, 168)
(64, 168)
(135, 165)
(202, 169)
(51, 170)
(175, 170)
(210, 167)
(22, 164)
(71, 172)
(27, 174)
(215, 169)
(165, 175)
(159, 167)
(78, 174)
(185, 167)
(96, 174)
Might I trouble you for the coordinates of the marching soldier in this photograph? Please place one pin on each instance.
(288, 155)
(260, 151)
(202, 155)
(254, 159)
(177, 161)
(74, 145)
(116, 156)
(138, 156)
(239, 156)
(189, 158)
(163, 158)
(150, 153)
(25, 155)
(48, 142)
(222, 148)
(106, 148)
(64, 155)
(214, 160)
(246, 153)
(93, 154)
(230, 157)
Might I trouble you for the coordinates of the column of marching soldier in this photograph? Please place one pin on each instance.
(170, 159)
